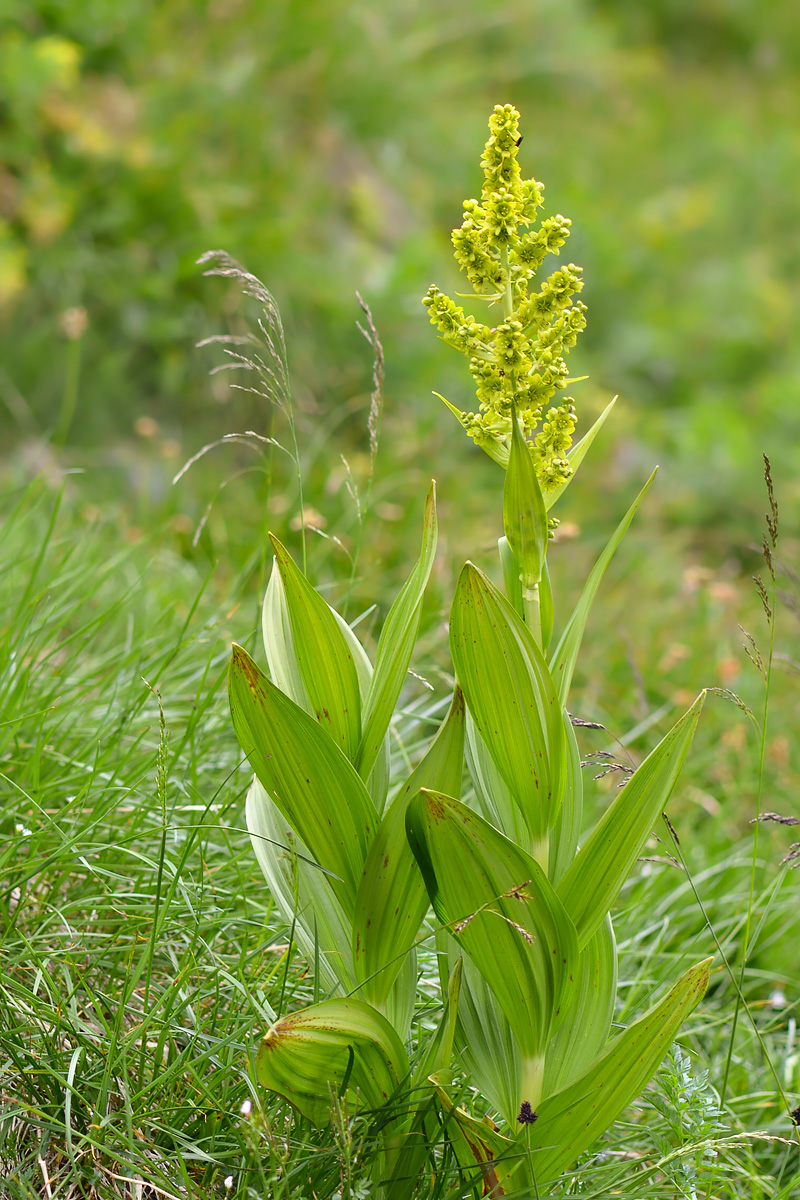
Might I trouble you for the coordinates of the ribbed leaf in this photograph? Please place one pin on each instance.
(304, 772)
(438, 1053)
(484, 1042)
(303, 895)
(570, 1121)
(584, 1031)
(510, 696)
(395, 646)
(524, 513)
(604, 862)
(493, 799)
(284, 669)
(500, 906)
(307, 1054)
(565, 655)
(567, 829)
(323, 656)
(392, 899)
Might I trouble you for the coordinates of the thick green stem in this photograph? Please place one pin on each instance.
(532, 1081)
(540, 852)
(532, 613)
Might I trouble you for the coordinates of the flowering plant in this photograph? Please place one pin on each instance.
(355, 857)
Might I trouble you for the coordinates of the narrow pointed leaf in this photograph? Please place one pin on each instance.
(567, 829)
(524, 513)
(500, 906)
(577, 454)
(565, 655)
(304, 772)
(584, 1032)
(323, 656)
(305, 1056)
(606, 859)
(510, 696)
(392, 899)
(395, 646)
(571, 1120)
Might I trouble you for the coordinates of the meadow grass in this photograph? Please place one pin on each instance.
(141, 961)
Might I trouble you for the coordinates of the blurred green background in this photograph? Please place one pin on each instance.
(328, 145)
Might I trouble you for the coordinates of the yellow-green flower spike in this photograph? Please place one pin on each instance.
(520, 359)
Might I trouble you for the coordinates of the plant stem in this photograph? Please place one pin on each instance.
(532, 610)
(532, 1080)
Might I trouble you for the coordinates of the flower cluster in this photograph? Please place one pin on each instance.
(520, 360)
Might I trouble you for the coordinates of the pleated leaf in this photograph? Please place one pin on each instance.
(606, 859)
(284, 669)
(439, 1051)
(484, 1042)
(395, 646)
(510, 696)
(500, 906)
(305, 773)
(392, 899)
(335, 1045)
(324, 658)
(572, 1119)
(584, 1031)
(303, 894)
(565, 655)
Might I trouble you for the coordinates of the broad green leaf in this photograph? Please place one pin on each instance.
(577, 454)
(395, 646)
(584, 1032)
(392, 899)
(510, 696)
(276, 628)
(305, 773)
(571, 1120)
(438, 1055)
(567, 829)
(565, 655)
(499, 904)
(524, 513)
(493, 799)
(484, 1042)
(323, 656)
(604, 862)
(303, 895)
(285, 672)
(306, 1055)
